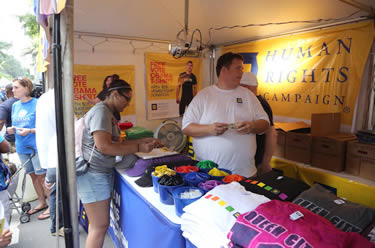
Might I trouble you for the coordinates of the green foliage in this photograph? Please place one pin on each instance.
(30, 26)
(31, 29)
(10, 67)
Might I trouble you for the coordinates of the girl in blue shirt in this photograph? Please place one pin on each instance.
(23, 120)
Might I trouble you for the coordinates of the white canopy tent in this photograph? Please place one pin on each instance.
(120, 31)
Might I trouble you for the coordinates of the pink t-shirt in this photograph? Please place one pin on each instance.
(270, 226)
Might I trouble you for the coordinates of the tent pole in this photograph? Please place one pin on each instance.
(68, 113)
(60, 131)
(370, 123)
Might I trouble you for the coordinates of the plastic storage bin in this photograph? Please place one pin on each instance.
(194, 178)
(165, 193)
(155, 183)
(221, 178)
(181, 203)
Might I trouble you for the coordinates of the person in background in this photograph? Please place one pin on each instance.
(188, 82)
(3, 96)
(266, 142)
(102, 94)
(100, 146)
(4, 197)
(6, 115)
(46, 142)
(223, 120)
(23, 120)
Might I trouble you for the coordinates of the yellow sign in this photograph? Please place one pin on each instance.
(314, 72)
(162, 71)
(88, 82)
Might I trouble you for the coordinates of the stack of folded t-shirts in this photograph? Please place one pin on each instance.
(275, 186)
(207, 221)
(285, 224)
(345, 215)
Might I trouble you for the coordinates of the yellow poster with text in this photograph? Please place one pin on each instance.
(314, 72)
(162, 72)
(88, 82)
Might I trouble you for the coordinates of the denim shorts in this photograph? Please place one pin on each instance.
(94, 186)
(33, 165)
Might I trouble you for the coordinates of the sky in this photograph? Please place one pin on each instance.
(11, 30)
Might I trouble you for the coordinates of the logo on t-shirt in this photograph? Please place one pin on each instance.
(239, 100)
(22, 113)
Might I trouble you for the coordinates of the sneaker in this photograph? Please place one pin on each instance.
(61, 232)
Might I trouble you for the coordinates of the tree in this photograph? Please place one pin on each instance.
(31, 29)
(10, 67)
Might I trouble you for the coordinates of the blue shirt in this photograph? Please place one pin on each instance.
(23, 116)
(6, 114)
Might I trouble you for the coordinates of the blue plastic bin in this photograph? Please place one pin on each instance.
(181, 203)
(165, 193)
(221, 178)
(194, 178)
(155, 183)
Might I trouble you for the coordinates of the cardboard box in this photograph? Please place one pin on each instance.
(280, 145)
(298, 147)
(360, 160)
(324, 124)
(330, 152)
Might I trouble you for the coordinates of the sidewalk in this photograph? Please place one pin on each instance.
(36, 233)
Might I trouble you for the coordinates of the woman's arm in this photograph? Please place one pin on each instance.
(103, 141)
(4, 146)
(92, 101)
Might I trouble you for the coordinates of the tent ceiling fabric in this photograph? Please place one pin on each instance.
(163, 19)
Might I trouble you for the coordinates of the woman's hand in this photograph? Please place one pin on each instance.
(150, 144)
(5, 238)
(23, 131)
(11, 130)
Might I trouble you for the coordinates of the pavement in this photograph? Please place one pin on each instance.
(36, 233)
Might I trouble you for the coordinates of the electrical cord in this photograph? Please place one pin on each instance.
(278, 23)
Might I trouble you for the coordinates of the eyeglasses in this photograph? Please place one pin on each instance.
(126, 97)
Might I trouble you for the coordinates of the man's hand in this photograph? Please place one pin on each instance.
(178, 100)
(245, 127)
(264, 168)
(218, 128)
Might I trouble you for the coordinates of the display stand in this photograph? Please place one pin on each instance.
(139, 219)
(352, 188)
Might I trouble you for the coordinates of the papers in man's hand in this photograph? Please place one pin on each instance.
(156, 153)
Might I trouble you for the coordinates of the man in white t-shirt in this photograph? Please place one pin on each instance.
(224, 118)
(46, 141)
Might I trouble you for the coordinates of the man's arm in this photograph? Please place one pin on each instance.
(195, 91)
(197, 130)
(269, 148)
(179, 83)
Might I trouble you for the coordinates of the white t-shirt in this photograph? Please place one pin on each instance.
(231, 150)
(45, 134)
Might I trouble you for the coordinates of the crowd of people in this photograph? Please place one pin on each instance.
(230, 125)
